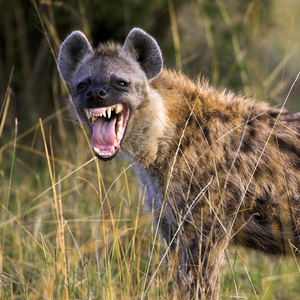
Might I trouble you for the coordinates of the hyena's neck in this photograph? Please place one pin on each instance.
(151, 132)
(156, 127)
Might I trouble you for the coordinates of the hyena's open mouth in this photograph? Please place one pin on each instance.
(108, 126)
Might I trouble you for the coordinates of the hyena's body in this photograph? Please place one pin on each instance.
(217, 167)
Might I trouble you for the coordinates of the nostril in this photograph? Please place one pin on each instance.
(102, 93)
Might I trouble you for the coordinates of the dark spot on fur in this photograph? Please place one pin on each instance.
(197, 123)
(206, 135)
(273, 113)
(223, 117)
(198, 153)
(167, 231)
(285, 146)
(220, 167)
(185, 143)
(246, 146)
(296, 163)
(212, 172)
(258, 173)
(252, 131)
(248, 194)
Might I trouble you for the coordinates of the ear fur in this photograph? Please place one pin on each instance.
(75, 47)
(144, 49)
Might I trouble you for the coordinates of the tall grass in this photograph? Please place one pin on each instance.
(73, 227)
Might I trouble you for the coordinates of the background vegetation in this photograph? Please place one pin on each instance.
(73, 227)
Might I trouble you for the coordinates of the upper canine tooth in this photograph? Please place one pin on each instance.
(104, 114)
(87, 112)
(109, 112)
(118, 108)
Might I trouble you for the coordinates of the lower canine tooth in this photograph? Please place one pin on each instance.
(112, 150)
(94, 119)
(96, 150)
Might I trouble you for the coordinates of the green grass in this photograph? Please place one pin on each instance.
(73, 227)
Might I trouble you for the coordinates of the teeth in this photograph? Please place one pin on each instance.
(96, 150)
(120, 119)
(119, 127)
(118, 108)
(118, 137)
(109, 112)
(112, 151)
(87, 112)
(106, 113)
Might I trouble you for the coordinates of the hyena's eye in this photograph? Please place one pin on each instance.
(81, 85)
(122, 83)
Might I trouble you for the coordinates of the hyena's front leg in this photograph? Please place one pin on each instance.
(204, 266)
(195, 259)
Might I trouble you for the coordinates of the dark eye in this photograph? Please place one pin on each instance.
(81, 85)
(122, 83)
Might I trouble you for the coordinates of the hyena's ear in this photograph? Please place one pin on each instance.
(144, 49)
(75, 47)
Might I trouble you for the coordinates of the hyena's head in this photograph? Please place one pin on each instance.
(108, 85)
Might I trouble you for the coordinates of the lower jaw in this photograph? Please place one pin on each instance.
(106, 158)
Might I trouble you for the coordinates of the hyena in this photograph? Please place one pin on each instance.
(218, 168)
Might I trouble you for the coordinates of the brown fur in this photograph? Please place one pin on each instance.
(218, 168)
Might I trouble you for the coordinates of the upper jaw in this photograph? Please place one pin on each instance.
(109, 130)
(93, 113)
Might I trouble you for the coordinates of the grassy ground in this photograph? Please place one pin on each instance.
(73, 227)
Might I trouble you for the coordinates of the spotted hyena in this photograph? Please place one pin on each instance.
(218, 168)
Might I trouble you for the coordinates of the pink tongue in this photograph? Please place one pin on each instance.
(104, 135)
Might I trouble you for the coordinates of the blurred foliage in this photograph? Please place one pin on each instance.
(234, 43)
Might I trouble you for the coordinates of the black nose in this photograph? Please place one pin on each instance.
(95, 94)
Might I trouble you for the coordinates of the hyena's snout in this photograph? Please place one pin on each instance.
(95, 96)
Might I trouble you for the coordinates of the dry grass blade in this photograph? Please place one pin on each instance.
(5, 105)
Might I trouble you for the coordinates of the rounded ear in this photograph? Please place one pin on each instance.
(144, 49)
(75, 47)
